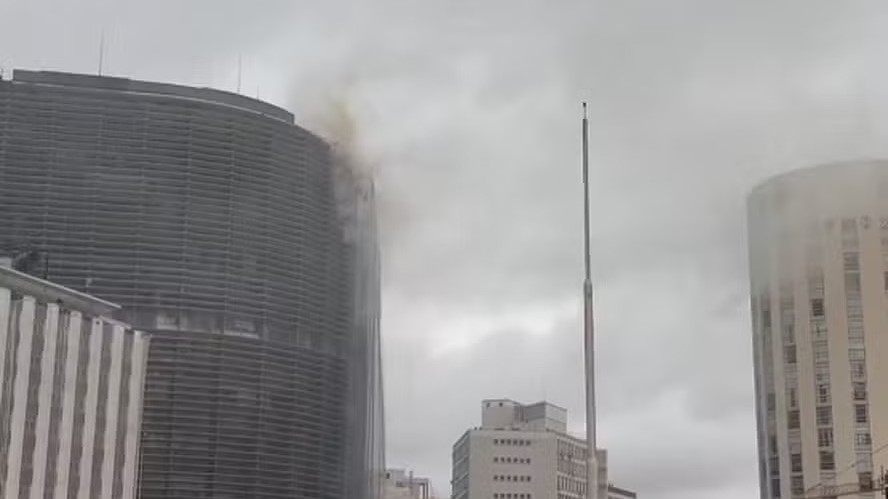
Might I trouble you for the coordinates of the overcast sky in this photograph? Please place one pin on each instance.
(468, 113)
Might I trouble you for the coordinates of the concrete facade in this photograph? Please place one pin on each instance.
(819, 289)
(71, 386)
(522, 452)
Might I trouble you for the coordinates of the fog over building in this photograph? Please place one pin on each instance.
(242, 244)
(818, 242)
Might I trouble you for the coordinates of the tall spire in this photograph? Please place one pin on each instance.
(588, 329)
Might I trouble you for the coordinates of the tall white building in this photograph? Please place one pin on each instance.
(71, 384)
(524, 452)
(819, 282)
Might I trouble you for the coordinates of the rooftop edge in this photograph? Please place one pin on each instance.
(120, 84)
(49, 292)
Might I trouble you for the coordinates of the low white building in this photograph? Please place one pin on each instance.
(71, 385)
(402, 484)
(524, 452)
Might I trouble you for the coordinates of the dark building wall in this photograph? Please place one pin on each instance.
(212, 219)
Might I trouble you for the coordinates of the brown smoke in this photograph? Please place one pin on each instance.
(334, 115)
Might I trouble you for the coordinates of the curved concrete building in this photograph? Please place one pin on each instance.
(819, 281)
(241, 244)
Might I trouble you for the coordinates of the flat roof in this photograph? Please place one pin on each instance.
(49, 292)
(126, 85)
(618, 490)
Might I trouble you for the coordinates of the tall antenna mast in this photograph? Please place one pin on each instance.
(589, 329)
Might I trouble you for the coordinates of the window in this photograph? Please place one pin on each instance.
(793, 420)
(827, 460)
(817, 309)
(852, 284)
(796, 462)
(824, 416)
(824, 437)
(821, 351)
(864, 440)
(789, 354)
(856, 354)
(860, 414)
(789, 333)
(496, 459)
(859, 390)
(775, 487)
(865, 479)
(852, 263)
(798, 485)
(885, 280)
(858, 369)
(791, 394)
(818, 329)
(823, 393)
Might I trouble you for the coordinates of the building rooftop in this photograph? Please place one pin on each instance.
(48, 292)
(96, 82)
(508, 414)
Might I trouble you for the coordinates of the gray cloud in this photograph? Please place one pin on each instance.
(468, 112)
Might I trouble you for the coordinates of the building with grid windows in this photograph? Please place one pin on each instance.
(71, 384)
(524, 452)
(818, 244)
(242, 244)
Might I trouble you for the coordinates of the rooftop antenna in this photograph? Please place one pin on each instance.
(101, 51)
(240, 68)
(588, 329)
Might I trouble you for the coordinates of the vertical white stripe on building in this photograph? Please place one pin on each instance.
(112, 406)
(20, 397)
(90, 404)
(5, 317)
(138, 357)
(5, 328)
(69, 389)
(44, 400)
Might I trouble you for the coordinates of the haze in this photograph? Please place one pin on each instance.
(468, 114)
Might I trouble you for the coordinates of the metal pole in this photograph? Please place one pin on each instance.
(589, 330)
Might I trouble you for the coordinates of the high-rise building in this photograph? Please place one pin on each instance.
(818, 247)
(247, 249)
(524, 452)
(71, 384)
